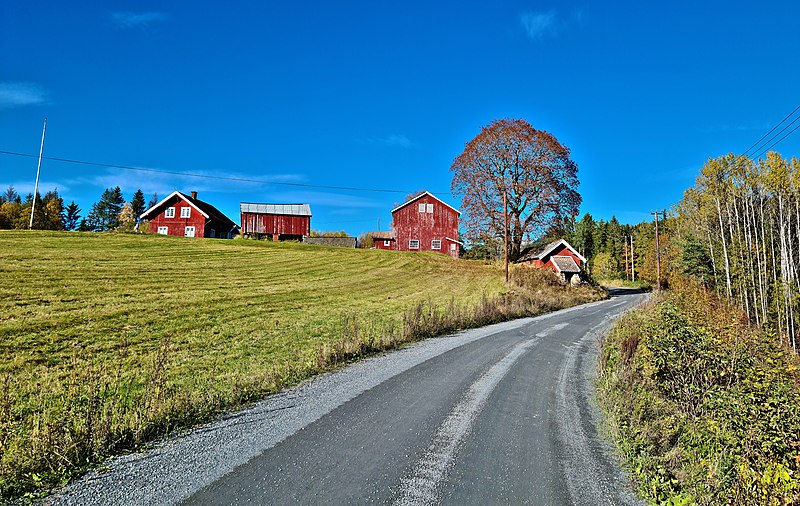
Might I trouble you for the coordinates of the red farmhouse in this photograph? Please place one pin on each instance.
(425, 223)
(559, 256)
(181, 215)
(281, 221)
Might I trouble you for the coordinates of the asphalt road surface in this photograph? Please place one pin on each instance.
(497, 415)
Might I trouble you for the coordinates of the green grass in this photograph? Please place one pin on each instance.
(110, 340)
(705, 408)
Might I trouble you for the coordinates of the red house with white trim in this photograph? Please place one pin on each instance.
(188, 216)
(426, 223)
(558, 255)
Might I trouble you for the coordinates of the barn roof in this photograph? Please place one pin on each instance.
(565, 264)
(422, 195)
(383, 235)
(282, 209)
(549, 249)
(204, 208)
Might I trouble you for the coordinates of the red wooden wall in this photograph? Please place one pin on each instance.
(177, 225)
(410, 224)
(257, 223)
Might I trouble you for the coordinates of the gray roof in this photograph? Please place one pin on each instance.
(565, 264)
(283, 209)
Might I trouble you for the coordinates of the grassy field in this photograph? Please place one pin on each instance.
(107, 341)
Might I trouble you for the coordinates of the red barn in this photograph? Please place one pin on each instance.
(182, 215)
(426, 223)
(385, 240)
(559, 256)
(281, 221)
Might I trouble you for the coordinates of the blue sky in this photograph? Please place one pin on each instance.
(384, 95)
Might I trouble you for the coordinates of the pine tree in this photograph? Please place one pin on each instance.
(105, 213)
(138, 204)
(72, 216)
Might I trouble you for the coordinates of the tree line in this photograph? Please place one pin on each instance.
(738, 232)
(110, 212)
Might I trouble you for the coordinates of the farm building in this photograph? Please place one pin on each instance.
(560, 256)
(188, 216)
(280, 221)
(385, 240)
(425, 223)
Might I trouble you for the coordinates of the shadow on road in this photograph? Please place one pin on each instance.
(616, 292)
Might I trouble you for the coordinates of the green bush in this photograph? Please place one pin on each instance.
(704, 408)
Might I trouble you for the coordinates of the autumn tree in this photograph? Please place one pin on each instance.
(515, 179)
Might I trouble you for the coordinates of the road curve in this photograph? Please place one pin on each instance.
(497, 415)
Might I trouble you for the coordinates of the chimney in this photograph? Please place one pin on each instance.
(194, 195)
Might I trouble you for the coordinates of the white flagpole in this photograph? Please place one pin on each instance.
(38, 169)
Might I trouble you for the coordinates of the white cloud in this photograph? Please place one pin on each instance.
(393, 140)
(18, 94)
(25, 187)
(138, 19)
(164, 184)
(539, 24)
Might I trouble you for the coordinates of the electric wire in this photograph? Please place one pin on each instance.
(208, 176)
(758, 142)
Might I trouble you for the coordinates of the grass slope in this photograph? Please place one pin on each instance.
(705, 409)
(107, 341)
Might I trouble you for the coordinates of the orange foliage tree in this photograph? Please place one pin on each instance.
(530, 167)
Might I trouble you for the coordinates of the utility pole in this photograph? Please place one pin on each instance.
(625, 255)
(633, 269)
(505, 228)
(658, 253)
(38, 169)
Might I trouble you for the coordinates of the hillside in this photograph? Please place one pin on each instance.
(107, 341)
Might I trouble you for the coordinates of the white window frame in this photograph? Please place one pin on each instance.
(436, 244)
(169, 213)
(186, 212)
(163, 230)
(429, 208)
(413, 244)
(387, 243)
(186, 232)
(452, 247)
(421, 208)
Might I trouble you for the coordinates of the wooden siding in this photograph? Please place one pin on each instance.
(380, 244)
(561, 251)
(177, 225)
(272, 224)
(411, 224)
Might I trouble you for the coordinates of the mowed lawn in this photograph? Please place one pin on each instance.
(244, 304)
(111, 329)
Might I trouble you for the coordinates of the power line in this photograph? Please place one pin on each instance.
(778, 141)
(777, 134)
(206, 176)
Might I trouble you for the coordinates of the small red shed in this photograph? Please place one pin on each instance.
(385, 240)
(558, 255)
(281, 221)
(183, 215)
(426, 223)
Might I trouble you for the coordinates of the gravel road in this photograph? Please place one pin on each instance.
(497, 415)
